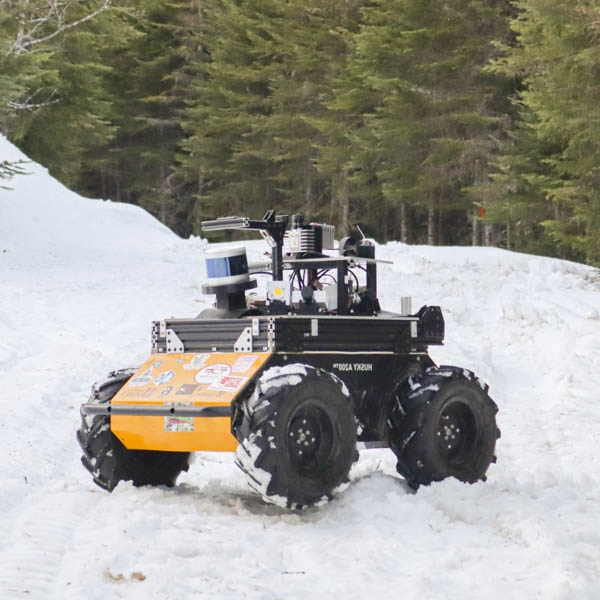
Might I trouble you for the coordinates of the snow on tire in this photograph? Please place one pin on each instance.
(444, 425)
(297, 436)
(107, 459)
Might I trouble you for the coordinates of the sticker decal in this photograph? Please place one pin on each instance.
(144, 379)
(167, 390)
(176, 424)
(147, 393)
(197, 362)
(186, 389)
(228, 383)
(164, 377)
(212, 373)
(243, 363)
(173, 423)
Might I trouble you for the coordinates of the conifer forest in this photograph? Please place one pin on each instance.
(436, 122)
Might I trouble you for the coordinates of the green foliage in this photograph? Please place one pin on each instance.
(10, 169)
(27, 79)
(313, 105)
(58, 108)
(147, 108)
(265, 72)
(432, 112)
(556, 151)
(394, 114)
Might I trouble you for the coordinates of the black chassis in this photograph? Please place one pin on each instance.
(372, 355)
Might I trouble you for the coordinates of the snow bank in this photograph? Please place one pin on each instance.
(42, 222)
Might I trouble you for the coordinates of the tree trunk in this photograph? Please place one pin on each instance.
(476, 229)
(308, 203)
(403, 223)
(164, 210)
(118, 183)
(431, 239)
(488, 235)
(340, 202)
(382, 224)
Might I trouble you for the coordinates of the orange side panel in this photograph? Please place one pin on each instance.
(166, 380)
(150, 433)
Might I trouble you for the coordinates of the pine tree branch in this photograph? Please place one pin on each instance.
(9, 169)
(30, 104)
(27, 39)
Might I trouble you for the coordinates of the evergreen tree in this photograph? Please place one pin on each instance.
(435, 109)
(556, 58)
(58, 109)
(515, 199)
(27, 79)
(96, 97)
(147, 105)
(230, 96)
(295, 105)
(253, 121)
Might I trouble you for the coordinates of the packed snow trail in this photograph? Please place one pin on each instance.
(81, 281)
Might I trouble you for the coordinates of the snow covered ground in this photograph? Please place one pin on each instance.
(80, 282)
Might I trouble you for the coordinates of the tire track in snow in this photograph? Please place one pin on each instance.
(37, 542)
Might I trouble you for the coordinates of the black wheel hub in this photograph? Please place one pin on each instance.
(455, 433)
(310, 439)
(304, 436)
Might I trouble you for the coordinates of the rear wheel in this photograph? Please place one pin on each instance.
(297, 436)
(107, 459)
(444, 425)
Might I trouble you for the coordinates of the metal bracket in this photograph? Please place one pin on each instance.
(244, 342)
(314, 327)
(268, 238)
(158, 334)
(413, 329)
(271, 335)
(174, 344)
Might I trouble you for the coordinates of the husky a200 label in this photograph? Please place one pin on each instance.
(353, 367)
(210, 381)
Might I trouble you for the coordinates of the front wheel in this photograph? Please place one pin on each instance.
(444, 425)
(297, 436)
(107, 459)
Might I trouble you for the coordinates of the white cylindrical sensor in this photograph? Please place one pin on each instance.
(226, 265)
